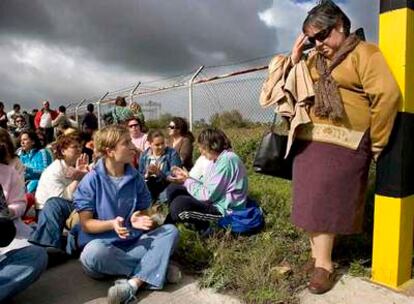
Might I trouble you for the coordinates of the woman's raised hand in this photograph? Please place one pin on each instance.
(297, 49)
(82, 163)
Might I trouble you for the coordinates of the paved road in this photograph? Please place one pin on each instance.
(66, 284)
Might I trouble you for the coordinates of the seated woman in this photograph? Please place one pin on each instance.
(34, 158)
(20, 263)
(138, 137)
(181, 139)
(222, 188)
(55, 192)
(156, 162)
(117, 239)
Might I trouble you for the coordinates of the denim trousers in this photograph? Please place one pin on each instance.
(146, 258)
(51, 222)
(19, 269)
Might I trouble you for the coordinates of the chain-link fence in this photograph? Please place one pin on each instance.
(229, 94)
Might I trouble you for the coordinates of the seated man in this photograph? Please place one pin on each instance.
(20, 263)
(54, 193)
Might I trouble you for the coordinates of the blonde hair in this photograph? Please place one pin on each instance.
(71, 131)
(108, 137)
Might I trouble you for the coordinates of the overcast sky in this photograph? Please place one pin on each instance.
(66, 50)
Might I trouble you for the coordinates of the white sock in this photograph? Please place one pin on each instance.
(134, 284)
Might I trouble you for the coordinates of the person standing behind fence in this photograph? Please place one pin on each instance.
(43, 120)
(351, 117)
(181, 139)
(121, 113)
(90, 121)
(137, 111)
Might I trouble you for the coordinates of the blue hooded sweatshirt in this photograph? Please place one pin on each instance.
(98, 194)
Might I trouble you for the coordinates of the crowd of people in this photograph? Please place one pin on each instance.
(92, 191)
(89, 193)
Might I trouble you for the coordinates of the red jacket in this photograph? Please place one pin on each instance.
(39, 114)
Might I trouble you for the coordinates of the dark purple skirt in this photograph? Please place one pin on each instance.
(329, 186)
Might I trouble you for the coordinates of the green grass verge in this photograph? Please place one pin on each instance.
(249, 266)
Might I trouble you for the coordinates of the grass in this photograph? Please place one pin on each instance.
(248, 266)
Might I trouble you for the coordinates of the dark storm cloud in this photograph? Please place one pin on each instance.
(145, 36)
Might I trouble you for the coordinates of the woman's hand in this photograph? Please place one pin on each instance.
(82, 163)
(141, 221)
(120, 229)
(297, 49)
(153, 169)
(178, 175)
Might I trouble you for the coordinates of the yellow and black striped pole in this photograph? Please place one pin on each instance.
(394, 199)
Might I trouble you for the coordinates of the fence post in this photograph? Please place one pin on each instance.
(98, 109)
(131, 94)
(77, 111)
(190, 97)
(394, 199)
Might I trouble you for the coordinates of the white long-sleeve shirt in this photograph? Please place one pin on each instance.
(53, 183)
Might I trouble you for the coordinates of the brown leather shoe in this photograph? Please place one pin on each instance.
(321, 280)
(308, 267)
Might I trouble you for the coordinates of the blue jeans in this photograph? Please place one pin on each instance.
(51, 222)
(19, 269)
(146, 259)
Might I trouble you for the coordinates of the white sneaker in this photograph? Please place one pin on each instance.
(121, 293)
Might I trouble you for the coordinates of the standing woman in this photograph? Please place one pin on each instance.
(351, 117)
(34, 158)
(181, 139)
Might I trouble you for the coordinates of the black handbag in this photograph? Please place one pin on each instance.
(270, 153)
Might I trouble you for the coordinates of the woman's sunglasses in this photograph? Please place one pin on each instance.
(171, 127)
(134, 125)
(320, 36)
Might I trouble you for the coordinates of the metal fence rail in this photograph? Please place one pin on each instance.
(200, 96)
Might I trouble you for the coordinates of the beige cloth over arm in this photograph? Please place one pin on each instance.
(287, 88)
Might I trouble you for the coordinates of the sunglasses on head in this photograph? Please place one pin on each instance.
(320, 36)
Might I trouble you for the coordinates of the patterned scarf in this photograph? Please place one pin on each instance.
(328, 101)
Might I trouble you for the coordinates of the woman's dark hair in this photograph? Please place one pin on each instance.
(138, 121)
(213, 139)
(326, 15)
(7, 150)
(33, 136)
(63, 142)
(120, 101)
(182, 126)
(153, 134)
